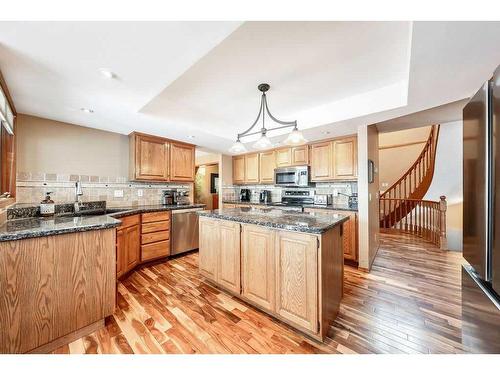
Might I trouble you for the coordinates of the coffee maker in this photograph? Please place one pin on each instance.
(168, 196)
(265, 196)
(245, 195)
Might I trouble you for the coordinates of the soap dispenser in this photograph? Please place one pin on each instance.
(47, 206)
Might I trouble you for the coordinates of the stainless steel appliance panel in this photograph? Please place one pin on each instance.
(480, 315)
(292, 176)
(495, 120)
(476, 155)
(185, 234)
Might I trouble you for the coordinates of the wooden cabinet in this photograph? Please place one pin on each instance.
(149, 158)
(228, 264)
(160, 159)
(252, 168)
(300, 155)
(297, 279)
(182, 163)
(209, 243)
(349, 229)
(239, 169)
(345, 158)
(258, 271)
(155, 235)
(321, 161)
(283, 157)
(267, 165)
(127, 245)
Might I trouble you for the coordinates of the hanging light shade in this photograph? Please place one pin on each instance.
(263, 142)
(294, 138)
(237, 147)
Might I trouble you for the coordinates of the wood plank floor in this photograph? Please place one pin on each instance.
(409, 303)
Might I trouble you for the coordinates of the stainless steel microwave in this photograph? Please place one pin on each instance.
(292, 176)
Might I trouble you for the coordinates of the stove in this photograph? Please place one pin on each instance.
(296, 198)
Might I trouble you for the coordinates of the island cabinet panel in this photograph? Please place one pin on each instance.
(252, 168)
(300, 155)
(208, 247)
(297, 279)
(345, 162)
(182, 163)
(53, 287)
(321, 161)
(267, 166)
(258, 266)
(239, 169)
(228, 270)
(284, 157)
(149, 158)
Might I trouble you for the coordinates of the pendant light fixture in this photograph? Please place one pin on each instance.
(294, 138)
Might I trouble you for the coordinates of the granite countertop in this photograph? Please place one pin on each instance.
(315, 223)
(67, 222)
(38, 226)
(335, 207)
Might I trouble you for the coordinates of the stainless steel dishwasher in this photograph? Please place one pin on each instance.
(184, 230)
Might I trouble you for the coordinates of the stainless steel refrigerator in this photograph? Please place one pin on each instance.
(481, 219)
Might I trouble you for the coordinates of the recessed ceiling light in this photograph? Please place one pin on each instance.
(107, 73)
(87, 110)
(326, 133)
(191, 136)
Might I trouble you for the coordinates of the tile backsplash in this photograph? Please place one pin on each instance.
(31, 188)
(232, 192)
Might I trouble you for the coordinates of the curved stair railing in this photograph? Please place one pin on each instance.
(402, 206)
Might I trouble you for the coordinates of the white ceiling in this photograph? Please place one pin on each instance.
(181, 79)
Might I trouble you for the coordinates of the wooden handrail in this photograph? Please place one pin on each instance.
(424, 218)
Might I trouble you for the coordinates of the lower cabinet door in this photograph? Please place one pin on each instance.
(297, 279)
(258, 266)
(133, 253)
(228, 270)
(209, 243)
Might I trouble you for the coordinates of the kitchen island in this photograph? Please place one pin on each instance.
(288, 264)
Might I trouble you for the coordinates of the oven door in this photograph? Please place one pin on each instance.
(286, 177)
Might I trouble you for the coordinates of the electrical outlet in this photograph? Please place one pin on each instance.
(335, 192)
(118, 193)
(140, 193)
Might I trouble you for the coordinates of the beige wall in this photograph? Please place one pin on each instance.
(48, 146)
(207, 159)
(395, 161)
(368, 206)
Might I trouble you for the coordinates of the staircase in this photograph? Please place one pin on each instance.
(401, 205)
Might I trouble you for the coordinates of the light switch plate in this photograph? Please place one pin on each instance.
(140, 193)
(118, 193)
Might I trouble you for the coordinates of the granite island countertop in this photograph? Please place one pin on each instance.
(333, 207)
(67, 222)
(315, 223)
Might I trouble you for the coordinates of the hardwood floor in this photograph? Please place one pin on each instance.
(409, 303)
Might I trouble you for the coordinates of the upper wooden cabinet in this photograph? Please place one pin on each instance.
(239, 169)
(149, 158)
(300, 155)
(181, 162)
(252, 168)
(345, 162)
(331, 160)
(267, 166)
(321, 161)
(283, 157)
(334, 160)
(159, 159)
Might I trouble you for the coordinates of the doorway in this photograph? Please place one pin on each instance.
(206, 185)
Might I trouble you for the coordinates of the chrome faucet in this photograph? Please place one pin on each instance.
(78, 193)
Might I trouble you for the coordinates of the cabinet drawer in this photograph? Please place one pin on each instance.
(155, 216)
(155, 250)
(155, 227)
(128, 221)
(155, 237)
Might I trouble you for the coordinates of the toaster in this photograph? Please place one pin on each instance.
(323, 199)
